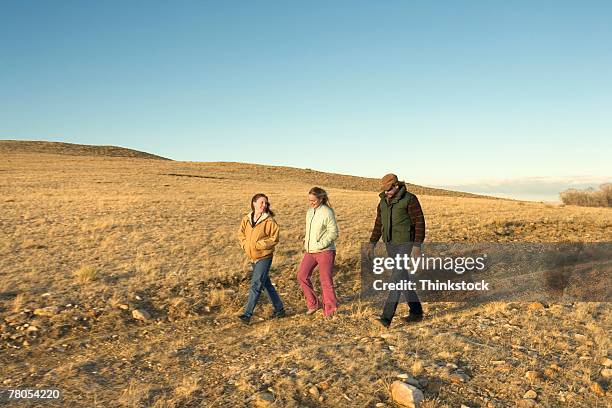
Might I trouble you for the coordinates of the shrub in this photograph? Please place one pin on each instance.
(589, 197)
(86, 273)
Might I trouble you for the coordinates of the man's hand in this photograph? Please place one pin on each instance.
(370, 250)
(415, 254)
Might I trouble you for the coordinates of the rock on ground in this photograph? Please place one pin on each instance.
(141, 314)
(263, 399)
(406, 395)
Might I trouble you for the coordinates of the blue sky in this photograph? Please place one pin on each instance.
(442, 93)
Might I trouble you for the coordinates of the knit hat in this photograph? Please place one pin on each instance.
(388, 181)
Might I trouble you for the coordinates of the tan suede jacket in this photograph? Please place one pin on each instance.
(258, 241)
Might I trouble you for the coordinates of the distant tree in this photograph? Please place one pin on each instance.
(589, 197)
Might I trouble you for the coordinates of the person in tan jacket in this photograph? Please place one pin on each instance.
(258, 236)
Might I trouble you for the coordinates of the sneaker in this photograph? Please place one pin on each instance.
(310, 312)
(413, 318)
(245, 319)
(383, 322)
(277, 314)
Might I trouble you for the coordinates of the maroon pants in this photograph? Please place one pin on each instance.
(325, 260)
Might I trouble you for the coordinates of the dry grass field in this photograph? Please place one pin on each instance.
(87, 239)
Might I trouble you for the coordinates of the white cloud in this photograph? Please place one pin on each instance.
(530, 188)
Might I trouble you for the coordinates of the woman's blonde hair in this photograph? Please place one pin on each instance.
(321, 195)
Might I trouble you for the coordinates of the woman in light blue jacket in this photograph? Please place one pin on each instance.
(320, 247)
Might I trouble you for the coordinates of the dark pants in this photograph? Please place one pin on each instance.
(261, 280)
(398, 275)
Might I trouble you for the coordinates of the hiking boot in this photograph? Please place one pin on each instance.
(245, 319)
(277, 314)
(383, 322)
(413, 318)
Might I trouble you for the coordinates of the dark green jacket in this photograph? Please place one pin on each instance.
(396, 224)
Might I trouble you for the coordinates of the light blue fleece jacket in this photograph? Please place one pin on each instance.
(321, 229)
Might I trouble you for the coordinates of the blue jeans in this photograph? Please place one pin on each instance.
(260, 280)
(396, 276)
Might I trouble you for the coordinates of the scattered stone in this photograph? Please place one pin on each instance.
(138, 297)
(532, 375)
(531, 394)
(407, 378)
(32, 329)
(380, 405)
(606, 372)
(314, 391)
(596, 388)
(386, 335)
(606, 362)
(47, 311)
(459, 378)
(502, 231)
(406, 395)
(123, 306)
(141, 314)
(264, 399)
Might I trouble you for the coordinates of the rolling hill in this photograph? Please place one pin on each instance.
(121, 280)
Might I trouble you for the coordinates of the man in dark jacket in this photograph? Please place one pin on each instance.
(401, 224)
